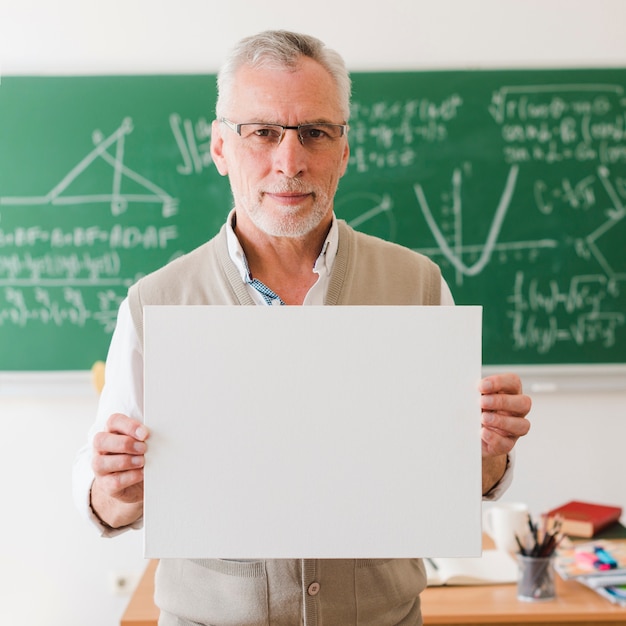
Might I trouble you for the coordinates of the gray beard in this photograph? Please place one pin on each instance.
(291, 223)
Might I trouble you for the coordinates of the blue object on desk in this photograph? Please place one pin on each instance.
(606, 561)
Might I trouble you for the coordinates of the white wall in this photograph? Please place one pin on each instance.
(77, 36)
(54, 571)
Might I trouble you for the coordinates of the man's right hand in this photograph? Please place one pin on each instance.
(118, 461)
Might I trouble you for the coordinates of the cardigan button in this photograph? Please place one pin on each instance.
(314, 589)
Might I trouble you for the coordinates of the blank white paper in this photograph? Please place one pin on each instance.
(312, 432)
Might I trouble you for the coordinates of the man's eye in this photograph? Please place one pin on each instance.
(314, 133)
(266, 132)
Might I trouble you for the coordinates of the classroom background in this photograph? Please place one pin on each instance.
(54, 569)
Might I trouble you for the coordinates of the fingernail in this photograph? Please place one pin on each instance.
(137, 460)
(141, 433)
(486, 386)
(139, 446)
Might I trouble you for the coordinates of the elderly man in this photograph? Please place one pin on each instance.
(281, 138)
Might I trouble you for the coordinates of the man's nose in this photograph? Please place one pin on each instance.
(290, 154)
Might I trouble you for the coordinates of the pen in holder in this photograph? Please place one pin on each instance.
(536, 578)
(535, 561)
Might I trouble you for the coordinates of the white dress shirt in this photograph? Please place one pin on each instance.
(123, 389)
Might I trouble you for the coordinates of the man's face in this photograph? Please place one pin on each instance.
(283, 190)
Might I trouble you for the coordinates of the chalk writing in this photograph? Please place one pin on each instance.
(539, 124)
(544, 314)
(551, 124)
(117, 200)
(118, 236)
(37, 269)
(194, 144)
(56, 275)
(384, 135)
(513, 182)
(43, 308)
(455, 255)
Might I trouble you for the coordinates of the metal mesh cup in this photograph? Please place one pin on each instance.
(536, 578)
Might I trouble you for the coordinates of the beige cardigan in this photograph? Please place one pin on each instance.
(290, 592)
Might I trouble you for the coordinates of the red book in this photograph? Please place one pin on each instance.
(584, 519)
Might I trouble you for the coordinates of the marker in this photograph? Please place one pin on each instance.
(586, 558)
(605, 558)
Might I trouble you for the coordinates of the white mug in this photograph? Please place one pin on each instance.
(505, 520)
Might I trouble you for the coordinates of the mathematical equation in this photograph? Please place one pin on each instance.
(36, 269)
(62, 289)
(71, 276)
(59, 307)
(122, 236)
(543, 314)
(554, 123)
(384, 135)
(545, 123)
(498, 184)
(77, 275)
(193, 140)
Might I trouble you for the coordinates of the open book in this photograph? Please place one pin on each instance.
(493, 567)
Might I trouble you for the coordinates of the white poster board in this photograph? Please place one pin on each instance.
(312, 432)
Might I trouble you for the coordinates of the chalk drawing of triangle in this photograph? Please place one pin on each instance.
(126, 186)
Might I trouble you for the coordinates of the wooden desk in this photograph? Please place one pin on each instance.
(141, 610)
(498, 604)
(447, 606)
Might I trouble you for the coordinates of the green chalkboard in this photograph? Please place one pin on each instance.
(513, 181)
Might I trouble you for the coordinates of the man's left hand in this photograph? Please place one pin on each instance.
(504, 409)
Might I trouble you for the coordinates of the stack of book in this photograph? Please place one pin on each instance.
(584, 519)
(599, 564)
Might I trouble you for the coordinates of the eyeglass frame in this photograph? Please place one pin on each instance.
(236, 128)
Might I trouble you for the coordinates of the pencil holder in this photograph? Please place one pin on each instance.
(536, 578)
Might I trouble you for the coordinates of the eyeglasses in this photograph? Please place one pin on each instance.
(319, 136)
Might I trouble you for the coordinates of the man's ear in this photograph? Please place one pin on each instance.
(217, 148)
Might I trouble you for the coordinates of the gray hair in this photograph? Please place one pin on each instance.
(282, 49)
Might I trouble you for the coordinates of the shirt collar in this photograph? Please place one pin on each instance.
(323, 263)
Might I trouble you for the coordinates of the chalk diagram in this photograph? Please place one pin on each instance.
(533, 302)
(527, 109)
(73, 271)
(118, 201)
(454, 249)
(561, 147)
(614, 216)
(381, 206)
